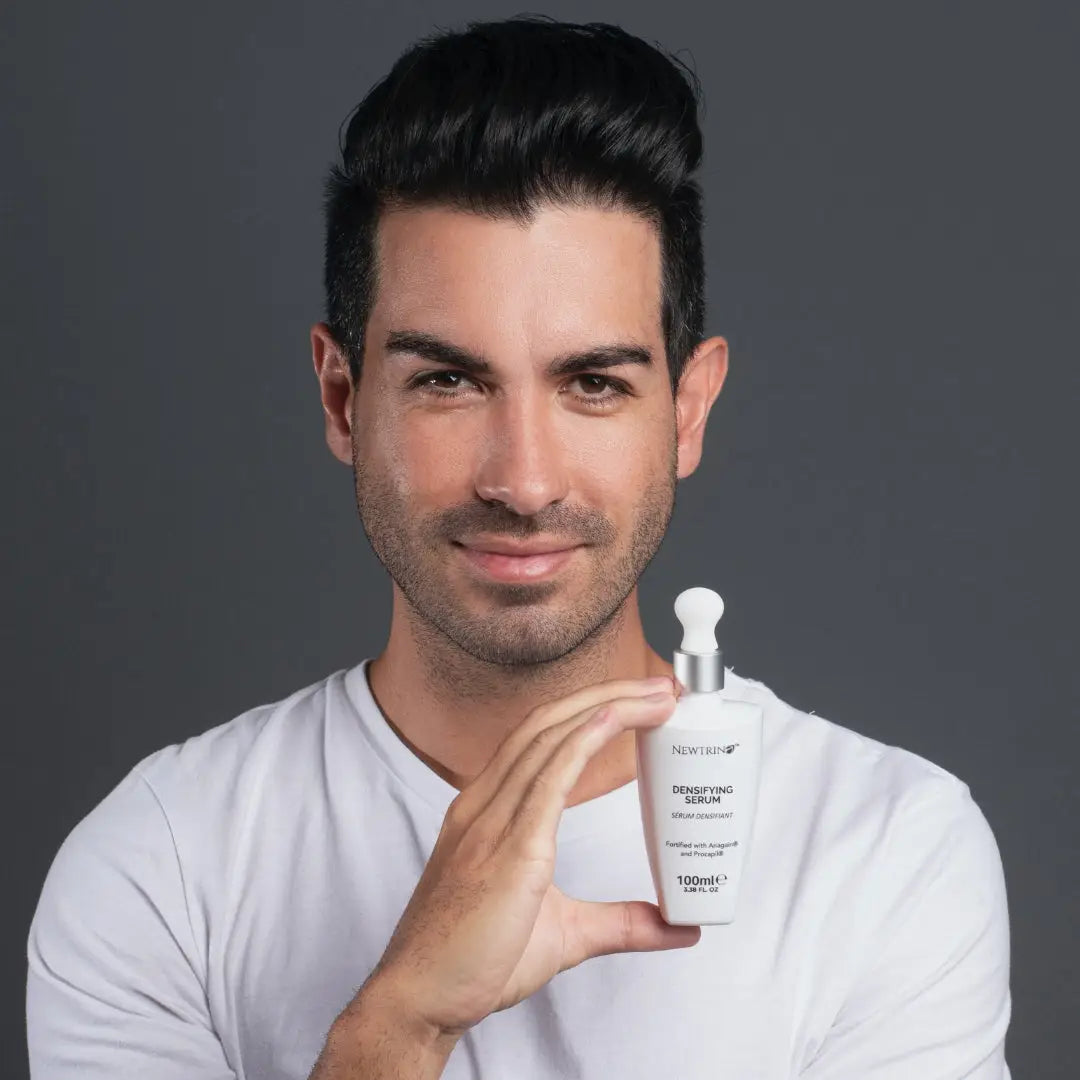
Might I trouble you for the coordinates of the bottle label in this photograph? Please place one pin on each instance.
(699, 797)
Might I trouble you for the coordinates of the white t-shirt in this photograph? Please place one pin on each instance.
(213, 914)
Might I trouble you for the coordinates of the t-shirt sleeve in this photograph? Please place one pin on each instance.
(114, 985)
(931, 997)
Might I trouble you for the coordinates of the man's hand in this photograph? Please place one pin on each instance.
(485, 926)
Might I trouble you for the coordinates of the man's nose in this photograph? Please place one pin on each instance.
(524, 460)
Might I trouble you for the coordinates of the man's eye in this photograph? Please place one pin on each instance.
(424, 381)
(615, 388)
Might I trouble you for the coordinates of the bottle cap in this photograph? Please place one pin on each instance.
(699, 663)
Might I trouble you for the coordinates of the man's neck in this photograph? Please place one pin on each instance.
(452, 710)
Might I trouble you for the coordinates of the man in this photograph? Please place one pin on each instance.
(432, 863)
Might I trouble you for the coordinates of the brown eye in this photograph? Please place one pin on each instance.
(615, 388)
(601, 391)
(423, 381)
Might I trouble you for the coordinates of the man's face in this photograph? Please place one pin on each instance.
(448, 460)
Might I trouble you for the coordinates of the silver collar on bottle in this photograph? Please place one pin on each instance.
(700, 673)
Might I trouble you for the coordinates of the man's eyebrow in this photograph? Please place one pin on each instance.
(430, 347)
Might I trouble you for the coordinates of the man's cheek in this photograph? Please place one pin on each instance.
(419, 462)
(616, 468)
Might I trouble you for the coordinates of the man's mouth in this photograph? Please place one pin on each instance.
(506, 560)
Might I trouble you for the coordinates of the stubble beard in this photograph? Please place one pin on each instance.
(523, 624)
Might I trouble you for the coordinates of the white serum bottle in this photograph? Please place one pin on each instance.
(698, 776)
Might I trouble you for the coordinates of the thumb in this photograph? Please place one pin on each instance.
(602, 927)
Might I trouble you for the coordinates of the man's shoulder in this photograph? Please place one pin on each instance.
(847, 769)
(257, 743)
(871, 824)
(191, 803)
(204, 779)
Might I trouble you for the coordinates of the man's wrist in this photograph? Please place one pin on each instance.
(386, 1040)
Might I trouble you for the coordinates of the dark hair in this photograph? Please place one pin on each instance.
(503, 116)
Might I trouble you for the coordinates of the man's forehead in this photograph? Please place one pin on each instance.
(564, 275)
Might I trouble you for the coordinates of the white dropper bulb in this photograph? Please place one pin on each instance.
(699, 610)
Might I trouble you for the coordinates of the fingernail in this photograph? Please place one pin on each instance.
(666, 696)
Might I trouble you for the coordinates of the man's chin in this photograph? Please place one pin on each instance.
(518, 630)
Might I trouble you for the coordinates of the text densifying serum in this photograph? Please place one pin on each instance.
(698, 776)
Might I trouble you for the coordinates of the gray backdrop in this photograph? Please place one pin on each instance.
(888, 496)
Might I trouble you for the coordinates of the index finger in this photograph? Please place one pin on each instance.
(587, 699)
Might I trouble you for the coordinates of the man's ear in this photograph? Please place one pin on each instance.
(701, 380)
(335, 389)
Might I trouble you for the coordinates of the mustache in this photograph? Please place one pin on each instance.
(557, 520)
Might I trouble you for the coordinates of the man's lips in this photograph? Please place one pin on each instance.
(506, 561)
